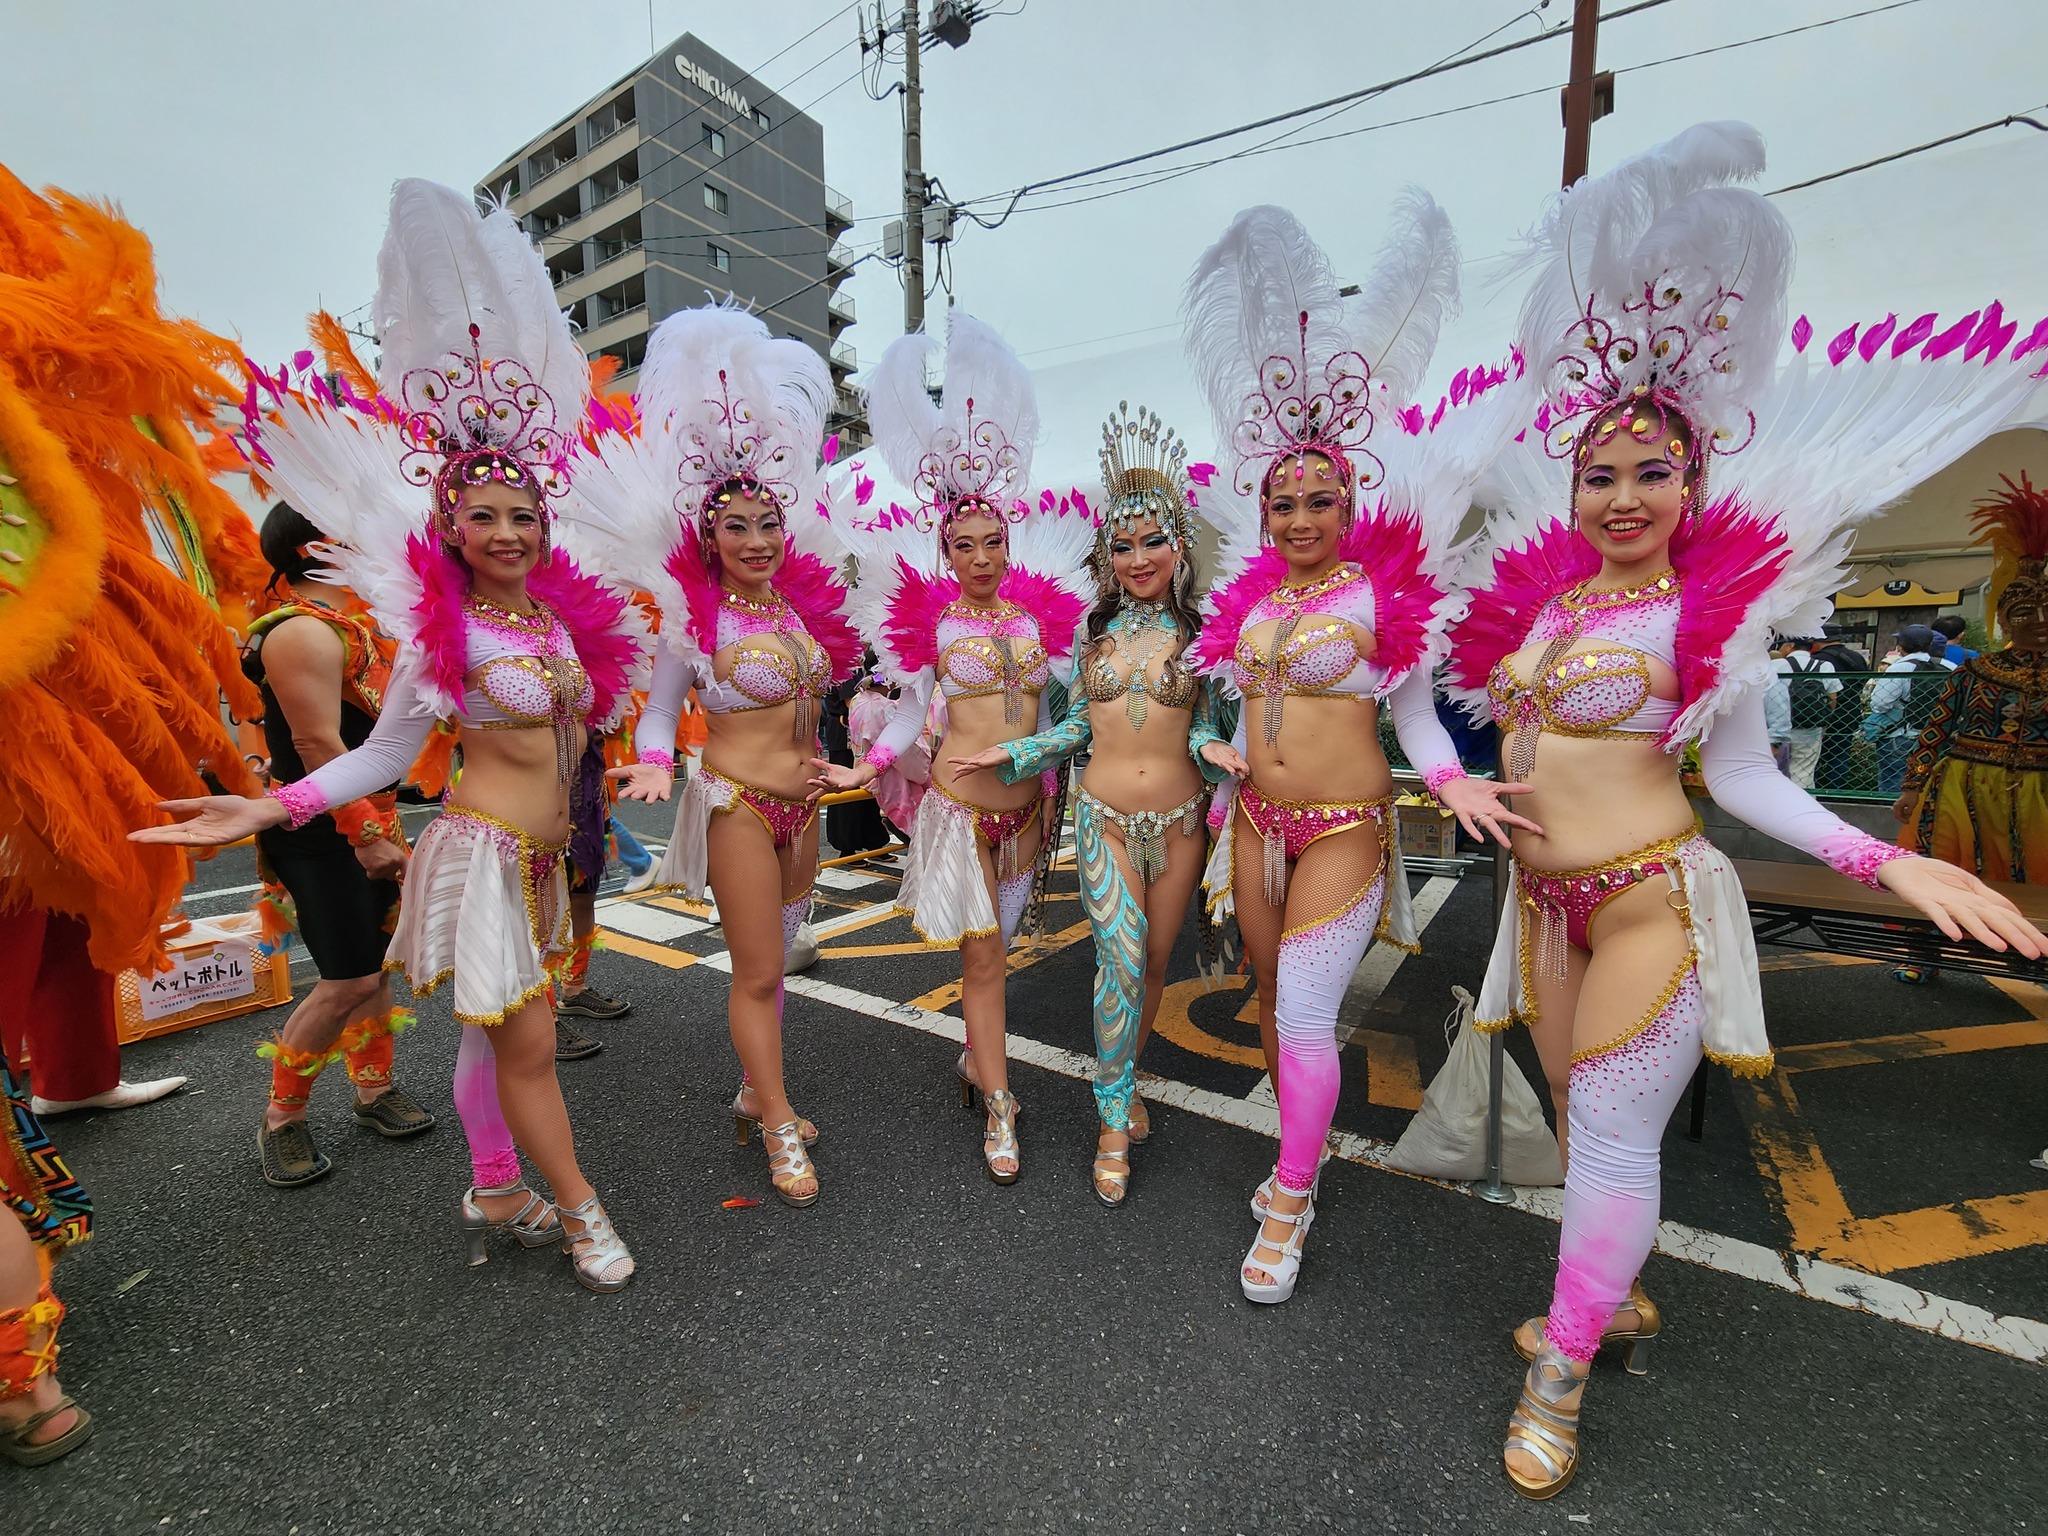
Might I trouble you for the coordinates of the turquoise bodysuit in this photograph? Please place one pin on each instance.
(1116, 914)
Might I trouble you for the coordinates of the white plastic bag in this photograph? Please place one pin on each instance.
(1447, 1137)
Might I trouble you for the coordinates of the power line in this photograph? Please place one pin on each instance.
(1917, 149)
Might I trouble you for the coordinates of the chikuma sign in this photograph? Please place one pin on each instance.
(712, 86)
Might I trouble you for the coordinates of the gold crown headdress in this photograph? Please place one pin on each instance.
(1145, 475)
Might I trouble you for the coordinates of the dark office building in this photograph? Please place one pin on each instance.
(684, 180)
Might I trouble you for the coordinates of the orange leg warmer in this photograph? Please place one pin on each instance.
(367, 1045)
(292, 1072)
(22, 1357)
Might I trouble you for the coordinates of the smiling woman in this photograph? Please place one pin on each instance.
(1604, 642)
(497, 630)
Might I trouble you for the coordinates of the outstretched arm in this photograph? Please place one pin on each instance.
(1480, 804)
(1741, 776)
(653, 777)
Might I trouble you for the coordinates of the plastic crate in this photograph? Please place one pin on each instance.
(213, 961)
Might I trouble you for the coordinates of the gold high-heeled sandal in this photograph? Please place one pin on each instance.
(1635, 1338)
(744, 1125)
(789, 1165)
(1000, 1139)
(1542, 1427)
(1140, 1122)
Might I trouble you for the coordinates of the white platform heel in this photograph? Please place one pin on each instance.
(1287, 1268)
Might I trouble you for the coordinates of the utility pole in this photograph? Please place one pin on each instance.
(1578, 95)
(913, 176)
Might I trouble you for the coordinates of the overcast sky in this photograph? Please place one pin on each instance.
(256, 144)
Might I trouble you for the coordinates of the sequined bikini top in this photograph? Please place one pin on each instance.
(1313, 650)
(1602, 691)
(524, 675)
(774, 661)
(987, 651)
(1144, 632)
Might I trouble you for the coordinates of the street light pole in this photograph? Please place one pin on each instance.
(913, 176)
(1578, 95)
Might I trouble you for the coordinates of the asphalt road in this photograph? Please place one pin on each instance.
(924, 1350)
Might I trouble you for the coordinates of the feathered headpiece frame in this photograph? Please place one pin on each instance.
(2014, 524)
(1301, 408)
(1660, 303)
(470, 421)
(970, 453)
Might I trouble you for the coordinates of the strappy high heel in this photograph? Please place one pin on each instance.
(1542, 1427)
(1139, 1128)
(1000, 1139)
(789, 1165)
(964, 1070)
(1262, 1197)
(744, 1125)
(536, 1223)
(1111, 1184)
(597, 1251)
(1287, 1268)
(1635, 1338)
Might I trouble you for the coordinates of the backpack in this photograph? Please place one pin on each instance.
(1810, 703)
(1922, 697)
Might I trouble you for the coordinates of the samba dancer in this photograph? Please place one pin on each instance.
(1140, 807)
(497, 629)
(740, 559)
(1604, 643)
(989, 638)
(1329, 602)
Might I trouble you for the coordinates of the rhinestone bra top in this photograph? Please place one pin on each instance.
(1146, 637)
(1314, 651)
(1603, 690)
(988, 651)
(773, 658)
(524, 675)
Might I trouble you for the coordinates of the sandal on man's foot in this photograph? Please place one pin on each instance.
(593, 1004)
(570, 1046)
(18, 1447)
(288, 1157)
(394, 1113)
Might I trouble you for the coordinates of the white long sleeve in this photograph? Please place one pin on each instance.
(1423, 738)
(383, 758)
(1744, 780)
(654, 740)
(906, 720)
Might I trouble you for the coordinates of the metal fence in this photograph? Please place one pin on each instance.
(1848, 742)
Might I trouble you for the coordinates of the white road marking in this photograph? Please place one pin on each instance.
(843, 880)
(656, 924)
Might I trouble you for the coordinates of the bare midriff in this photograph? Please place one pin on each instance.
(511, 774)
(1597, 798)
(973, 725)
(1328, 747)
(759, 747)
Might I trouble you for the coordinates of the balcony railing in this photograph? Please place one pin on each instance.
(840, 307)
(838, 256)
(609, 251)
(843, 356)
(599, 132)
(838, 206)
(606, 195)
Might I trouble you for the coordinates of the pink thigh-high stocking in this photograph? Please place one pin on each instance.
(491, 1153)
(1315, 966)
(1619, 1103)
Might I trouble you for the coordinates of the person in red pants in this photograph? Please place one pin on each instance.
(62, 1028)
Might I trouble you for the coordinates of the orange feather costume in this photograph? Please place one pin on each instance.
(122, 567)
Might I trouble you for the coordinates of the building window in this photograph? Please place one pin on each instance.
(760, 117)
(714, 140)
(719, 257)
(714, 198)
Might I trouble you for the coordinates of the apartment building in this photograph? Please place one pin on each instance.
(689, 180)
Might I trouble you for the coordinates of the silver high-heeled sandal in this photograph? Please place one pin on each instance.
(744, 1125)
(964, 1070)
(1542, 1428)
(536, 1224)
(788, 1165)
(1000, 1139)
(596, 1250)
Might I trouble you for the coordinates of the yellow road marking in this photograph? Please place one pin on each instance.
(660, 954)
(940, 998)
(1392, 1077)
(1940, 1233)
(679, 904)
(871, 951)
